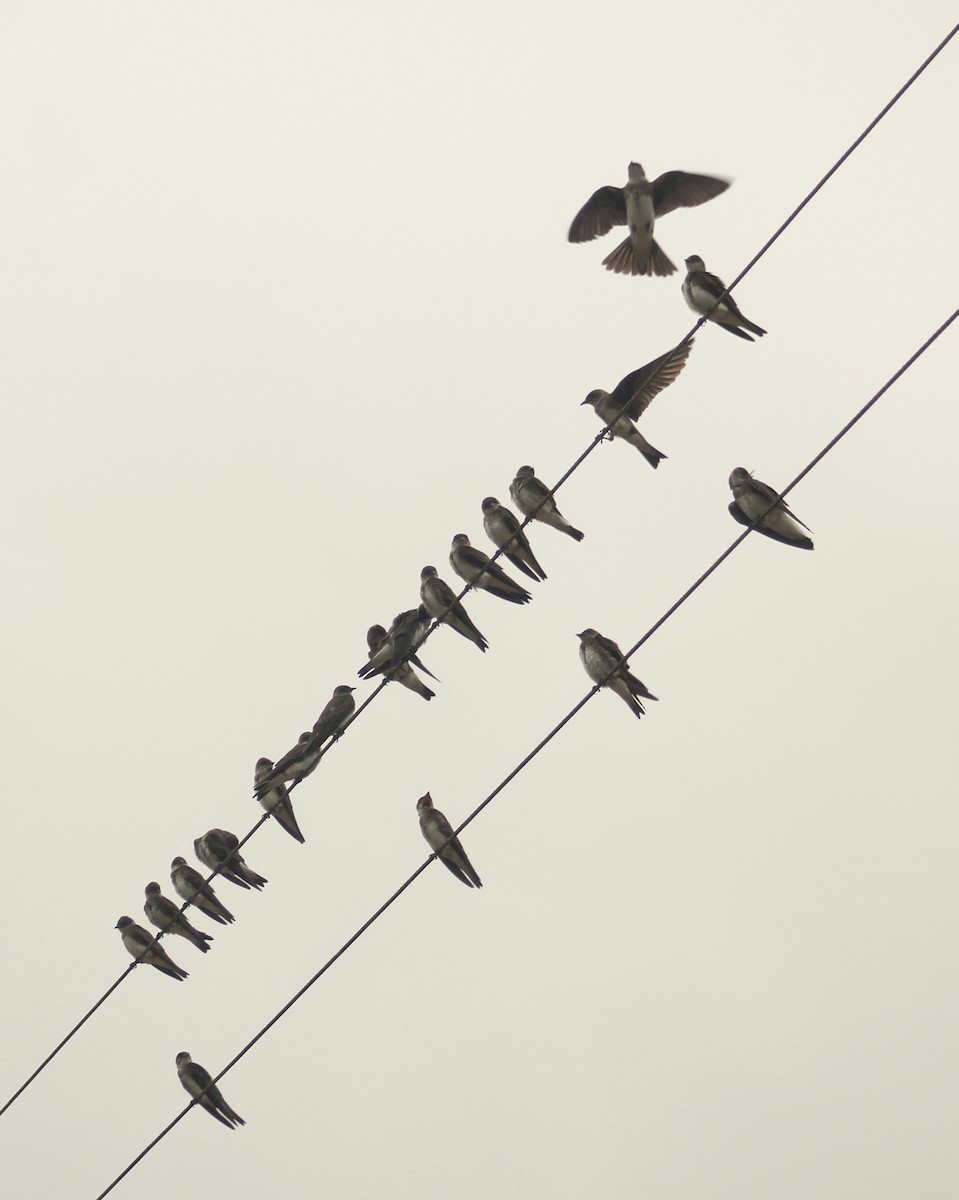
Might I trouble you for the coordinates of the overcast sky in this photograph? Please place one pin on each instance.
(287, 292)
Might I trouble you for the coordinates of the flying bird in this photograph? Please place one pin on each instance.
(199, 1083)
(505, 532)
(144, 947)
(378, 640)
(335, 715)
(276, 800)
(600, 656)
(476, 568)
(444, 843)
(534, 499)
(191, 885)
(701, 292)
(632, 396)
(756, 504)
(638, 205)
(440, 602)
(295, 765)
(219, 850)
(166, 915)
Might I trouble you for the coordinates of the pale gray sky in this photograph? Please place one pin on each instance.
(287, 293)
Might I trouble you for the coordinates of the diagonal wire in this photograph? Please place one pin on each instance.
(541, 745)
(563, 478)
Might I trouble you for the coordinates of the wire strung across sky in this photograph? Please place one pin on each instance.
(541, 745)
(575, 466)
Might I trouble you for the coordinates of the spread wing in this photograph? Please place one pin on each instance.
(634, 392)
(599, 214)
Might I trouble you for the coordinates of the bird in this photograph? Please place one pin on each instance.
(440, 602)
(191, 885)
(476, 568)
(335, 715)
(632, 396)
(701, 292)
(377, 639)
(505, 532)
(534, 499)
(295, 765)
(199, 1083)
(400, 643)
(757, 505)
(145, 948)
(276, 800)
(166, 916)
(444, 843)
(219, 850)
(600, 656)
(638, 204)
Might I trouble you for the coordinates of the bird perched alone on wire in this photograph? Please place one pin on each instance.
(199, 1084)
(754, 502)
(444, 843)
(701, 291)
(600, 656)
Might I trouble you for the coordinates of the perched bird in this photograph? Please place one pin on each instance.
(276, 800)
(379, 640)
(600, 656)
(506, 533)
(534, 499)
(632, 396)
(191, 885)
(440, 602)
(400, 643)
(638, 205)
(166, 915)
(444, 844)
(757, 505)
(295, 765)
(219, 850)
(701, 291)
(476, 568)
(147, 949)
(199, 1083)
(336, 713)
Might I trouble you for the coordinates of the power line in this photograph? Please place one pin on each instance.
(541, 745)
(575, 466)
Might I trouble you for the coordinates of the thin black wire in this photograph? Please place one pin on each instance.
(563, 478)
(541, 745)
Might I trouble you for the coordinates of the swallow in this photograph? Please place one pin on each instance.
(399, 645)
(756, 504)
(219, 850)
(336, 713)
(191, 885)
(146, 948)
(638, 205)
(440, 602)
(701, 292)
(600, 656)
(444, 843)
(199, 1083)
(505, 532)
(632, 396)
(166, 915)
(295, 765)
(378, 639)
(476, 568)
(534, 499)
(276, 800)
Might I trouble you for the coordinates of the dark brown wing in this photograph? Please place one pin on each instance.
(599, 214)
(678, 189)
(635, 391)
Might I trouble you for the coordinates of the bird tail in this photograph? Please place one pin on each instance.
(574, 533)
(756, 329)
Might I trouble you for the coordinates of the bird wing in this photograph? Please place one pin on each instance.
(634, 393)
(679, 189)
(599, 214)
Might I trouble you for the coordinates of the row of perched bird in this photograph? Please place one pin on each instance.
(392, 653)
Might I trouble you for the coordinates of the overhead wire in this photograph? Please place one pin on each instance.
(543, 743)
(575, 465)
